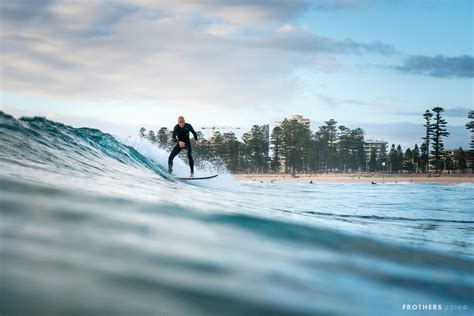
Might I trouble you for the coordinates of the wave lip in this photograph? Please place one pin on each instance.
(59, 146)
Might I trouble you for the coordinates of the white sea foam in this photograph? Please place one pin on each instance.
(158, 155)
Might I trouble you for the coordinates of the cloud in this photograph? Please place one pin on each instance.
(359, 105)
(232, 11)
(248, 11)
(336, 4)
(221, 30)
(305, 42)
(327, 63)
(457, 112)
(439, 66)
(202, 54)
(328, 101)
(460, 112)
(11, 11)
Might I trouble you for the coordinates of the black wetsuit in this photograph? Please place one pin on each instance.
(182, 134)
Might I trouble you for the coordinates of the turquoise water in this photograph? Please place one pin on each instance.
(92, 225)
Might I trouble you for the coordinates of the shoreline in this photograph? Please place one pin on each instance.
(356, 178)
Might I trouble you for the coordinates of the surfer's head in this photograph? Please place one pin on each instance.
(181, 121)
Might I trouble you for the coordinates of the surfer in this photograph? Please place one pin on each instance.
(181, 138)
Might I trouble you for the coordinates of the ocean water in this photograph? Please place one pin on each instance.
(92, 225)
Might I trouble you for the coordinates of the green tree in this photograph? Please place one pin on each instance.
(290, 146)
(202, 152)
(392, 157)
(408, 164)
(304, 146)
(313, 153)
(217, 142)
(231, 154)
(470, 126)
(327, 136)
(151, 137)
(164, 138)
(322, 149)
(200, 135)
(372, 160)
(316, 153)
(344, 155)
(276, 141)
(424, 160)
(382, 157)
(461, 160)
(295, 146)
(256, 149)
(141, 132)
(425, 150)
(416, 157)
(449, 159)
(357, 149)
(439, 131)
(286, 143)
(399, 161)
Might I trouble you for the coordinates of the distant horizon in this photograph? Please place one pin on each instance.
(119, 65)
(132, 131)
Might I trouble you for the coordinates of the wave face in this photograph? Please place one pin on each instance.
(92, 225)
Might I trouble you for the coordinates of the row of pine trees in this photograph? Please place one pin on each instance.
(294, 148)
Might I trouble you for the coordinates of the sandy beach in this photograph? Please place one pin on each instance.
(357, 178)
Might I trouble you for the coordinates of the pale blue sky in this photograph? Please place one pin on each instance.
(120, 65)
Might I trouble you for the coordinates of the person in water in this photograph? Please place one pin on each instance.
(181, 138)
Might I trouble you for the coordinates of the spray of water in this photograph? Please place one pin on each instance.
(158, 155)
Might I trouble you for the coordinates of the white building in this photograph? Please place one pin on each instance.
(296, 117)
(373, 143)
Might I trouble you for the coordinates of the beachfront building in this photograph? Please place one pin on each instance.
(296, 117)
(266, 132)
(373, 143)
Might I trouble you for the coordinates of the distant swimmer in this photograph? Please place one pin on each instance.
(181, 138)
(374, 182)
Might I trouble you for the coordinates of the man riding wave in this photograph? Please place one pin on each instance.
(181, 138)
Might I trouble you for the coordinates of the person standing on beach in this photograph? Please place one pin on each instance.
(181, 138)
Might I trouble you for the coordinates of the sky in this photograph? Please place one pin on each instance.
(120, 65)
